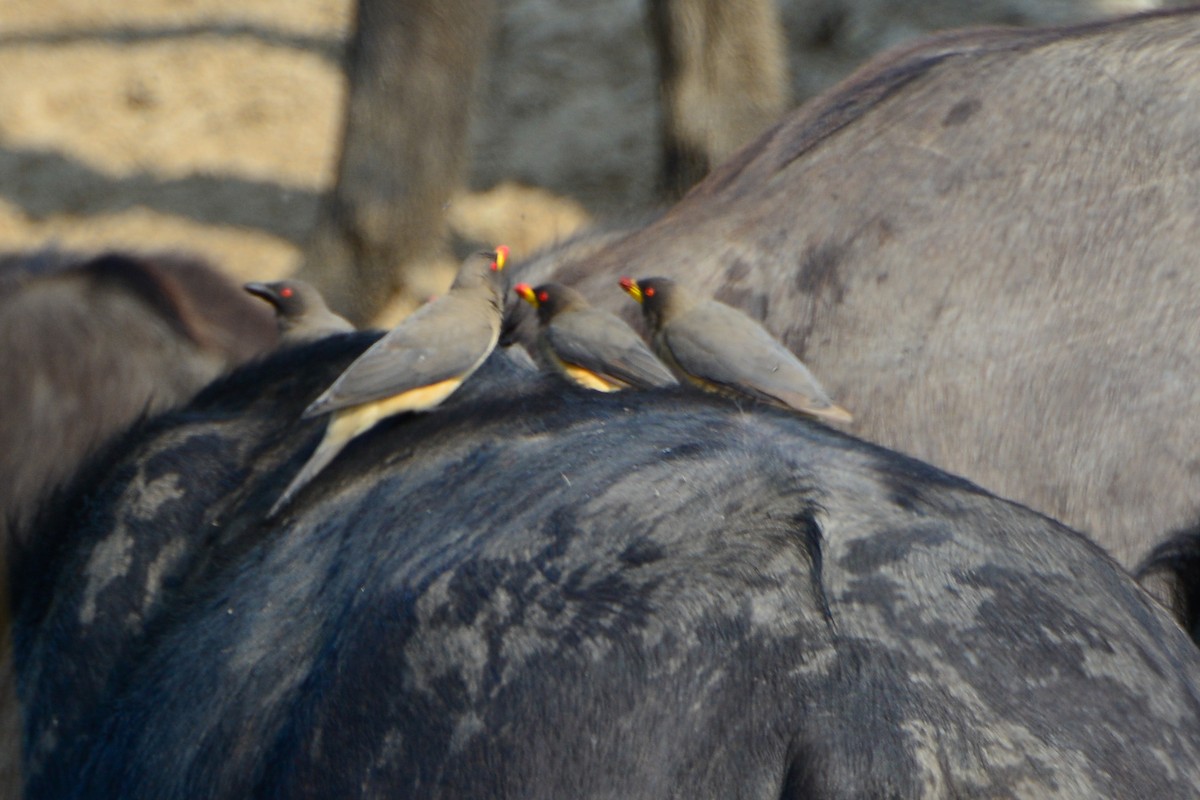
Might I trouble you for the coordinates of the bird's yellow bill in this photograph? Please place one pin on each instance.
(501, 257)
(526, 293)
(631, 286)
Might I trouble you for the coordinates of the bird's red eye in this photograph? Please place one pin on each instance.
(648, 291)
(543, 297)
(286, 292)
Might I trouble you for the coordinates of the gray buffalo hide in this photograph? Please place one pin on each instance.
(986, 248)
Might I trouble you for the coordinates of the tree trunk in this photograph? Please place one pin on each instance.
(723, 79)
(411, 67)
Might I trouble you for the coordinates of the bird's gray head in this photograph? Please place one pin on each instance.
(481, 271)
(300, 311)
(290, 299)
(551, 299)
(661, 299)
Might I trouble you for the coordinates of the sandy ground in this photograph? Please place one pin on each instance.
(212, 125)
(207, 125)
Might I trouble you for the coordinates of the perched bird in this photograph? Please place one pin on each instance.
(720, 349)
(590, 347)
(415, 366)
(300, 311)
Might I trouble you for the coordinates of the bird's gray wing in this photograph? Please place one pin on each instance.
(722, 346)
(602, 343)
(446, 339)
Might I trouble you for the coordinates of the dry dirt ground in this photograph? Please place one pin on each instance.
(208, 125)
(212, 125)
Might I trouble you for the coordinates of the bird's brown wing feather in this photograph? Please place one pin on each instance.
(446, 339)
(601, 343)
(720, 345)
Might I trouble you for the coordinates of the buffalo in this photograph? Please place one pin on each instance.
(89, 345)
(984, 246)
(541, 591)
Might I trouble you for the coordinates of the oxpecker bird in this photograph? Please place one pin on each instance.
(588, 346)
(720, 349)
(415, 366)
(300, 311)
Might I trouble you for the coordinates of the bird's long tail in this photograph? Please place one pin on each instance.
(831, 413)
(341, 429)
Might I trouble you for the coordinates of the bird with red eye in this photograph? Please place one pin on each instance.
(588, 346)
(300, 311)
(719, 349)
(415, 366)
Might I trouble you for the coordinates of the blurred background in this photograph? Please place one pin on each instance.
(213, 125)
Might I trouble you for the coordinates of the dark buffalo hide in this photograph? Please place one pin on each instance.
(543, 592)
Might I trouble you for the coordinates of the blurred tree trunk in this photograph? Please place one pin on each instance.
(723, 79)
(411, 68)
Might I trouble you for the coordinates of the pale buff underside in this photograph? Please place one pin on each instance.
(353, 421)
(588, 379)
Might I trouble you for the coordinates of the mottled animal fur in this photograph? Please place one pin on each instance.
(543, 592)
(88, 344)
(985, 245)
